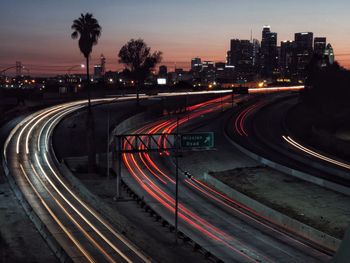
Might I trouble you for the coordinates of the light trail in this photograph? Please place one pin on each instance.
(98, 232)
(65, 230)
(167, 201)
(241, 118)
(90, 210)
(82, 230)
(50, 117)
(275, 89)
(315, 154)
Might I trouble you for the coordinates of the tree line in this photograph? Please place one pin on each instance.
(327, 91)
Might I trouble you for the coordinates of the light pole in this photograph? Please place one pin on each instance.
(177, 178)
(73, 67)
(108, 116)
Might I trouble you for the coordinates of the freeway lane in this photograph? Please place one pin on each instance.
(83, 233)
(261, 129)
(230, 231)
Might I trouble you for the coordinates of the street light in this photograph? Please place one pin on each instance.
(75, 66)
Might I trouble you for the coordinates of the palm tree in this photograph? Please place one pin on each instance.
(88, 30)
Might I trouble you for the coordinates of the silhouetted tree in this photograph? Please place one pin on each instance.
(139, 61)
(327, 92)
(88, 30)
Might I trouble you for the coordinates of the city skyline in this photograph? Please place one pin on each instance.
(39, 37)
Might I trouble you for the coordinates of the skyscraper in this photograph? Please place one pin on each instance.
(256, 52)
(286, 57)
(303, 51)
(241, 56)
(320, 44)
(269, 54)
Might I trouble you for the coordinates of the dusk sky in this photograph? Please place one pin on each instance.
(37, 32)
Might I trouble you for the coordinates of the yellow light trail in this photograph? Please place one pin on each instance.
(85, 233)
(66, 231)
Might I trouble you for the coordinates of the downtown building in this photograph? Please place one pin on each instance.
(269, 53)
(286, 58)
(241, 58)
(303, 52)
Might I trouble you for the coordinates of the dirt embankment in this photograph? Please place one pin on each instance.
(315, 206)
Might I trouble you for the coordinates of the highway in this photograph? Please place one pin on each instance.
(225, 228)
(260, 128)
(82, 232)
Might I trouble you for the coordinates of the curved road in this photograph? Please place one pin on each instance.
(261, 129)
(225, 228)
(82, 232)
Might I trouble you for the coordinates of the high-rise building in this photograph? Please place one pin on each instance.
(220, 70)
(103, 64)
(241, 56)
(256, 52)
(303, 51)
(196, 67)
(304, 40)
(208, 71)
(286, 57)
(320, 44)
(97, 71)
(266, 30)
(228, 58)
(329, 54)
(196, 64)
(269, 53)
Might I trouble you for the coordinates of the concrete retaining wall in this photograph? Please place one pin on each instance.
(133, 122)
(276, 217)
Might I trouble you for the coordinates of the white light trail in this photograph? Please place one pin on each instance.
(315, 154)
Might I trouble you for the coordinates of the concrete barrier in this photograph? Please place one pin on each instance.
(277, 218)
(343, 253)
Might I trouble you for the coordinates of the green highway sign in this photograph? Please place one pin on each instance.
(197, 140)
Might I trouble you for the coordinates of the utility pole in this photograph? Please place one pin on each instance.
(177, 178)
(232, 98)
(107, 156)
(222, 103)
(119, 174)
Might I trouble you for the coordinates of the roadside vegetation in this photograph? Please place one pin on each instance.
(327, 95)
(322, 118)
